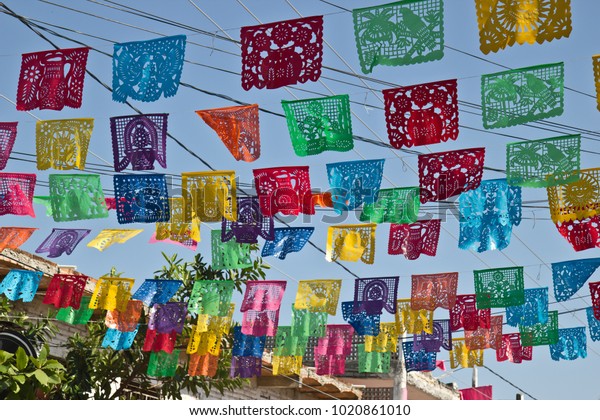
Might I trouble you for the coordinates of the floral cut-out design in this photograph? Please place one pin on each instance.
(572, 344)
(20, 284)
(499, 287)
(578, 200)
(430, 291)
(139, 141)
(112, 293)
(569, 276)
(63, 144)
(14, 237)
(581, 234)
(108, 237)
(65, 290)
(416, 239)
(318, 295)
(285, 190)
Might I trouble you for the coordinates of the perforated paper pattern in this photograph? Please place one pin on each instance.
(541, 334)
(286, 240)
(52, 79)
(362, 323)
(445, 174)
(337, 340)
(168, 317)
(502, 23)
(63, 144)
(125, 321)
(372, 362)
(393, 205)
(533, 311)
(593, 325)
(247, 345)
(430, 291)
(461, 356)
(260, 306)
(544, 163)
(596, 64)
(147, 70)
(228, 255)
(595, 296)
(318, 295)
(571, 344)
(422, 114)
(499, 287)
(282, 53)
(286, 365)
(441, 338)
(510, 349)
(410, 321)
(245, 366)
(139, 141)
(569, 276)
(62, 241)
(8, 135)
(578, 200)
(141, 198)
(203, 365)
(77, 197)
(112, 293)
(415, 239)
(20, 284)
(487, 215)
(375, 293)
(156, 291)
(400, 33)
(418, 360)
(284, 189)
(288, 344)
(385, 341)
(351, 243)
(180, 227)
(522, 95)
(16, 194)
(485, 338)
(238, 129)
(308, 324)
(581, 234)
(464, 314)
(65, 290)
(14, 237)
(327, 364)
(354, 183)
(209, 195)
(156, 342)
(162, 364)
(319, 124)
(211, 297)
(249, 225)
(76, 316)
(108, 237)
(263, 322)
(118, 340)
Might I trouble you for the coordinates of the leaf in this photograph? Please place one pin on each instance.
(22, 359)
(41, 376)
(43, 354)
(19, 378)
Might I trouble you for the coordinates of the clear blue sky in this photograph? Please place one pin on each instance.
(538, 242)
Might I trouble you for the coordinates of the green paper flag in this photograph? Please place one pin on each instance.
(77, 197)
(308, 324)
(320, 124)
(541, 334)
(393, 205)
(373, 362)
(228, 255)
(523, 95)
(163, 364)
(287, 344)
(499, 287)
(211, 297)
(76, 316)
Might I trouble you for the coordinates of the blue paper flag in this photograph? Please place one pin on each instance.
(571, 344)
(287, 240)
(119, 340)
(534, 311)
(156, 291)
(362, 323)
(247, 345)
(354, 183)
(141, 198)
(569, 276)
(20, 284)
(593, 324)
(418, 360)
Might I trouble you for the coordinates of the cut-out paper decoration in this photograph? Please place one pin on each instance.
(511, 349)
(20, 284)
(308, 324)
(287, 344)
(487, 215)
(596, 64)
(422, 114)
(319, 124)
(209, 196)
(16, 194)
(464, 314)
(139, 141)
(533, 311)
(461, 356)
(168, 317)
(581, 234)
(127, 320)
(410, 321)
(145, 70)
(318, 295)
(247, 345)
(400, 33)
(112, 293)
(8, 135)
(286, 365)
(329, 364)
(499, 287)
(238, 129)
(156, 342)
(156, 291)
(351, 243)
(76, 197)
(477, 393)
(541, 334)
(119, 340)
(260, 306)
(245, 366)
(286, 240)
(62, 241)
(441, 338)
(485, 338)
(108, 237)
(211, 297)
(282, 53)
(372, 362)
(188, 244)
(430, 291)
(375, 294)
(418, 360)
(445, 174)
(593, 325)
(63, 144)
(393, 205)
(249, 225)
(180, 227)
(285, 190)
(522, 95)
(14, 237)
(595, 297)
(322, 200)
(362, 323)
(208, 332)
(52, 79)
(503, 22)
(228, 255)
(203, 365)
(385, 341)
(415, 239)
(141, 198)
(569, 276)
(337, 340)
(578, 200)
(354, 183)
(571, 344)
(543, 163)
(65, 290)
(162, 364)
(74, 316)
